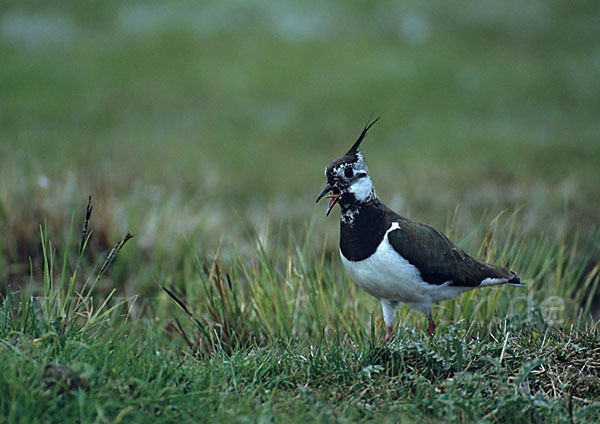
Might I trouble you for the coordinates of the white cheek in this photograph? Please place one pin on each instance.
(362, 188)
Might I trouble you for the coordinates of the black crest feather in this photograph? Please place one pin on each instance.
(354, 147)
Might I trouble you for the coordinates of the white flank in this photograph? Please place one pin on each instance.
(387, 275)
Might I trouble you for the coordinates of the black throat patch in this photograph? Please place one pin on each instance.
(361, 235)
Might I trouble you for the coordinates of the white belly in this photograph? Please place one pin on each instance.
(387, 275)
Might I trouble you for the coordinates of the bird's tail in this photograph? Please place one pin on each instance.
(515, 280)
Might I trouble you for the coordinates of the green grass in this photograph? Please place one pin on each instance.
(285, 337)
(449, 378)
(203, 129)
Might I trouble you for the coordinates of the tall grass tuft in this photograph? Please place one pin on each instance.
(65, 310)
(289, 290)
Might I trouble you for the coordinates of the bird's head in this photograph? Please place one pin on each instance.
(348, 180)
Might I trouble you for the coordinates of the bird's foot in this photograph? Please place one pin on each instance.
(431, 327)
(388, 333)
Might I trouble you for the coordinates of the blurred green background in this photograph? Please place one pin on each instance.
(189, 122)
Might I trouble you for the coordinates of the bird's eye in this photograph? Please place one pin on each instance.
(348, 172)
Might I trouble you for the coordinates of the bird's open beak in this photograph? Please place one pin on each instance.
(333, 197)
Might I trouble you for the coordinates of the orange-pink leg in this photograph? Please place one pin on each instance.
(388, 333)
(388, 308)
(431, 327)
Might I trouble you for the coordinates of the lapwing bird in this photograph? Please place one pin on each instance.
(393, 258)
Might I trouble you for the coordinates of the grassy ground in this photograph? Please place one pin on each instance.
(204, 128)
